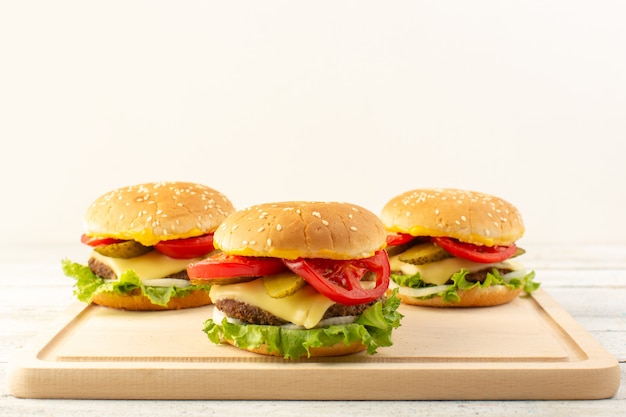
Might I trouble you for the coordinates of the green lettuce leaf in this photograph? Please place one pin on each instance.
(373, 329)
(89, 284)
(451, 295)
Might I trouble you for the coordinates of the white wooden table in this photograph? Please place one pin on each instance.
(589, 282)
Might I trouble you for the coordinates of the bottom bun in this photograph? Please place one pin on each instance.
(338, 349)
(476, 297)
(139, 302)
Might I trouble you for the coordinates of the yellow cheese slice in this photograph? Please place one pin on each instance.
(304, 308)
(439, 273)
(152, 265)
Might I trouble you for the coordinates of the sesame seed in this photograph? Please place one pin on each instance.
(353, 228)
(269, 242)
(325, 222)
(279, 227)
(464, 218)
(260, 229)
(316, 214)
(244, 242)
(253, 242)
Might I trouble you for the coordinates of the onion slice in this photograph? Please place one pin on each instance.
(518, 273)
(418, 292)
(166, 282)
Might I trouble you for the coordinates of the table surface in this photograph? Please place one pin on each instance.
(589, 282)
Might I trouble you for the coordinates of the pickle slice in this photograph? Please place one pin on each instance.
(424, 253)
(124, 250)
(282, 284)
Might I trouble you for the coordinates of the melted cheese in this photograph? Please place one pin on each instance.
(152, 265)
(439, 273)
(305, 308)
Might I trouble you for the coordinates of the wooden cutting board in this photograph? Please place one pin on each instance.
(528, 349)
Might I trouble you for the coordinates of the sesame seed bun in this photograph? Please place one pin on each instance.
(291, 230)
(469, 216)
(152, 212)
(138, 302)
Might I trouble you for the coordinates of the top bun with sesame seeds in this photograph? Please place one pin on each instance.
(143, 237)
(453, 248)
(293, 230)
(469, 216)
(152, 212)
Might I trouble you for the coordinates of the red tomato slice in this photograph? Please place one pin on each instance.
(192, 247)
(476, 253)
(98, 241)
(222, 268)
(341, 280)
(395, 239)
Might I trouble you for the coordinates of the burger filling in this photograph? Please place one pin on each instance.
(425, 270)
(154, 275)
(104, 270)
(251, 314)
(249, 326)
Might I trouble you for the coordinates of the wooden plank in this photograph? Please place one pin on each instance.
(528, 349)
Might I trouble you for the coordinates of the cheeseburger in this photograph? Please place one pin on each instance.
(142, 239)
(455, 248)
(300, 279)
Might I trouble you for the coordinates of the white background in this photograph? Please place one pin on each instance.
(328, 100)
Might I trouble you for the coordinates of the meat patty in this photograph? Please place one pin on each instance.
(255, 315)
(480, 276)
(104, 271)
